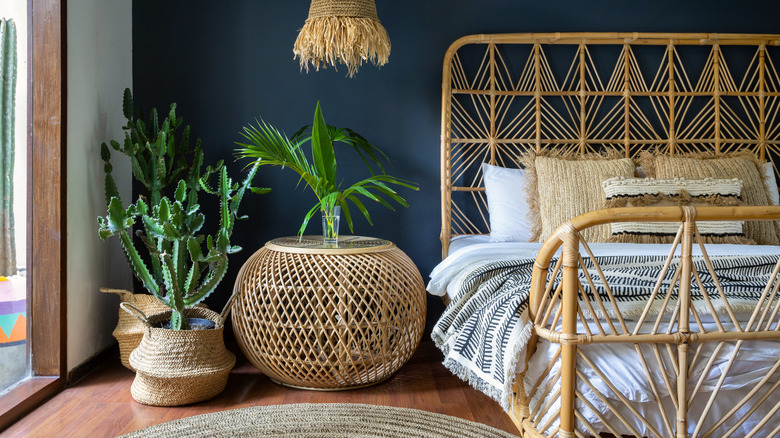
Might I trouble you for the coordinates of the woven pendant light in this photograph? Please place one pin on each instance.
(345, 31)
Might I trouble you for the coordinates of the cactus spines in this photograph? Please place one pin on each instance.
(170, 233)
(156, 159)
(176, 270)
(7, 145)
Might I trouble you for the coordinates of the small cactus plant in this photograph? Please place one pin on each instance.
(7, 154)
(181, 274)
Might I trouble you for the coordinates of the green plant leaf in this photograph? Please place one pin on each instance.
(193, 246)
(164, 211)
(153, 229)
(323, 155)
(308, 217)
(196, 222)
(116, 218)
(361, 207)
(140, 207)
(193, 275)
(127, 104)
(177, 218)
(141, 131)
(210, 282)
(170, 232)
(362, 146)
(111, 189)
(155, 123)
(223, 241)
(181, 191)
(105, 154)
(347, 214)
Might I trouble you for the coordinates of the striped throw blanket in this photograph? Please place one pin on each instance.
(484, 329)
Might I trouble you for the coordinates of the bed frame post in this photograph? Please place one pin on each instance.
(446, 175)
(571, 246)
(683, 328)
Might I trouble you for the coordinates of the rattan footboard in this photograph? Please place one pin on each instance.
(681, 341)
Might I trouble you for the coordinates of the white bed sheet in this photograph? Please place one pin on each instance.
(620, 363)
(474, 251)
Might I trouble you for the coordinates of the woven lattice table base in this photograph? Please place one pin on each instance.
(327, 420)
(329, 318)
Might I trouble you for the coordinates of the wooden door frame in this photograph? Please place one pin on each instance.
(46, 235)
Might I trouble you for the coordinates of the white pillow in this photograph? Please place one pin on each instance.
(507, 203)
(771, 183)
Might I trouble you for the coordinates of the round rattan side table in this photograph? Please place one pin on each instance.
(328, 318)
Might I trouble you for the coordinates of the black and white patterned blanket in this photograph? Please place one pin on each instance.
(485, 327)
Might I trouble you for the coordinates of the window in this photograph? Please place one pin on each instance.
(45, 214)
(13, 185)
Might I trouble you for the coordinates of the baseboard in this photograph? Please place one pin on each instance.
(93, 363)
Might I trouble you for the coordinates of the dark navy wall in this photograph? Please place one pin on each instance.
(226, 63)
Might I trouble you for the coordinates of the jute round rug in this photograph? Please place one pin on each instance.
(321, 420)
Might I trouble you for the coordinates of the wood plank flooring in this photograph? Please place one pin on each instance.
(101, 406)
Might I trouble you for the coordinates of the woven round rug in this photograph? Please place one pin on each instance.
(321, 420)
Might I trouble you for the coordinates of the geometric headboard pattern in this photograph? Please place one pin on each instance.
(506, 94)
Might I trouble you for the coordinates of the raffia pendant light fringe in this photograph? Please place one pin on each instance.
(348, 32)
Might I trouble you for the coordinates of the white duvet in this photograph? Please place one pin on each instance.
(621, 363)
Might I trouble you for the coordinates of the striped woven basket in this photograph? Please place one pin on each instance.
(179, 367)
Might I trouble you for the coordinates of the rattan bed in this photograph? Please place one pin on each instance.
(506, 94)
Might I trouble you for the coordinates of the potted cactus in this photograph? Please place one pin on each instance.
(170, 355)
(174, 259)
(160, 154)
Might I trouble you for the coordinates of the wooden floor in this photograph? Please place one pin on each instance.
(100, 405)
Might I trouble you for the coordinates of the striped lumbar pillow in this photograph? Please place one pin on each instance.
(634, 192)
(741, 165)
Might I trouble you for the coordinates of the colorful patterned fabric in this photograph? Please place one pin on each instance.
(13, 311)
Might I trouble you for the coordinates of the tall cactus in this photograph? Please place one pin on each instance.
(7, 145)
(171, 227)
(180, 275)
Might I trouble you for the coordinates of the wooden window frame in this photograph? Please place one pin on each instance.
(46, 236)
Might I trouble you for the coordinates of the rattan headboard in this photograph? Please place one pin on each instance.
(506, 94)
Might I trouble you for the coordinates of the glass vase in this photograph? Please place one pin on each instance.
(330, 226)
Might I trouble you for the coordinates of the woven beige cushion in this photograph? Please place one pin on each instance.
(746, 168)
(649, 192)
(570, 187)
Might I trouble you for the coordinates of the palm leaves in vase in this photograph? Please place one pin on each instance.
(270, 147)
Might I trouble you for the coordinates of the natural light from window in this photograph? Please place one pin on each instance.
(14, 363)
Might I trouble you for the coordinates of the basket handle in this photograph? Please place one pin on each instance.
(228, 306)
(236, 292)
(136, 312)
(123, 294)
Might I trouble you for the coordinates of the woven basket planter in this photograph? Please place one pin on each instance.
(179, 367)
(130, 330)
